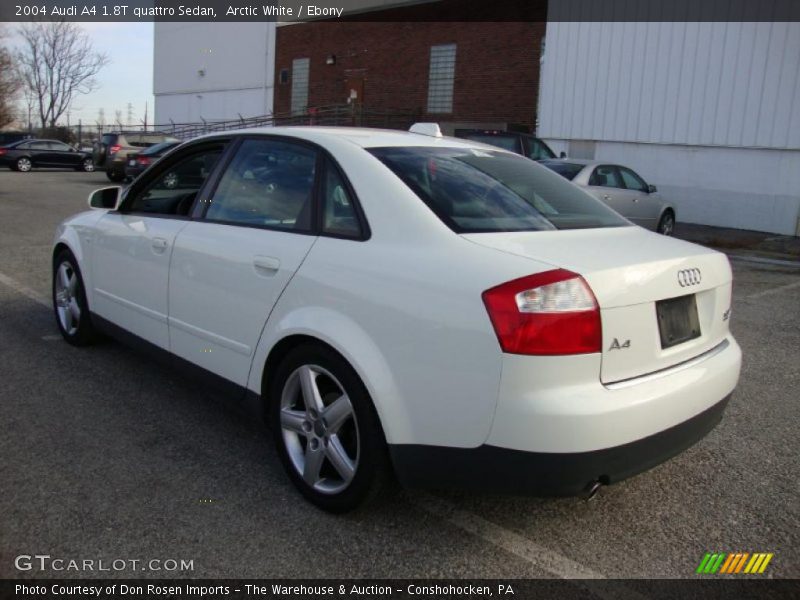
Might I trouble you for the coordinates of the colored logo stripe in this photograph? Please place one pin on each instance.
(737, 562)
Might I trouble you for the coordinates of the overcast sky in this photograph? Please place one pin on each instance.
(127, 78)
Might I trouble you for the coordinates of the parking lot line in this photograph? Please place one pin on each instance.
(775, 290)
(540, 557)
(24, 290)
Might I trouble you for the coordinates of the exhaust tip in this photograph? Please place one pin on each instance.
(591, 489)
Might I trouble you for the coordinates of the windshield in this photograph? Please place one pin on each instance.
(475, 191)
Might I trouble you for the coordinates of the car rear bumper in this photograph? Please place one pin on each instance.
(556, 427)
(490, 468)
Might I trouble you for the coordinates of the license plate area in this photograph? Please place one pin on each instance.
(677, 320)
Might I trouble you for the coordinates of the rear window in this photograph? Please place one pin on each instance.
(145, 141)
(109, 138)
(568, 170)
(475, 191)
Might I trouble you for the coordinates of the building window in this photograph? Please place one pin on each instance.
(440, 78)
(284, 76)
(300, 85)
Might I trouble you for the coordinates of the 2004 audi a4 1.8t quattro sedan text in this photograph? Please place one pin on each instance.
(409, 303)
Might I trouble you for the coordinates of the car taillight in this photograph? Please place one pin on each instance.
(549, 313)
(114, 149)
(3, 151)
(143, 160)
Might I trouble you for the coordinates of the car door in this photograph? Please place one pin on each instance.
(133, 245)
(605, 183)
(40, 153)
(62, 155)
(645, 207)
(232, 262)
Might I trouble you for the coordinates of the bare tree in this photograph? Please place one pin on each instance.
(56, 64)
(9, 85)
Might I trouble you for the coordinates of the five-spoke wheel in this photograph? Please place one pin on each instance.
(326, 430)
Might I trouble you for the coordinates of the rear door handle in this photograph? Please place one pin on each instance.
(266, 265)
(606, 197)
(159, 244)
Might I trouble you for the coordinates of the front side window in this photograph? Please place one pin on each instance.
(606, 176)
(269, 183)
(632, 180)
(175, 187)
(476, 191)
(538, 150)
(61, 147)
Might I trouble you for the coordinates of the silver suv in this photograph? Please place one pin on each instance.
(111, 151)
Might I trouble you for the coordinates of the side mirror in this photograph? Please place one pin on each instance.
(651, 189)
(105, 198)
(562, 154)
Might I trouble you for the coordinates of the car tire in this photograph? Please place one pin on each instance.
(666, 224)
(115, 176)
(23, 164)
(87, 165)
(69, 302)
(331, 445)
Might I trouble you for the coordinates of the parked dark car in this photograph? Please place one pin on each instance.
(111, 151)
(139, 161)
(522, 143)
(24, 155)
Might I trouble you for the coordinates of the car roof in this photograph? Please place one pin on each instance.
(360, 136)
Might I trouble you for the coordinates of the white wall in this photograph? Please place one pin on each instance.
(709, 112)
(237, 61)
(729, 84)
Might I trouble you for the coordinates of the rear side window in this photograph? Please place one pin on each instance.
(269, 183)
(109, 139)
(476, 191)
(339, 217)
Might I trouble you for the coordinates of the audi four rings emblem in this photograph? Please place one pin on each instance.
(688, 277)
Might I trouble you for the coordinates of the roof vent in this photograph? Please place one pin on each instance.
(431, 129)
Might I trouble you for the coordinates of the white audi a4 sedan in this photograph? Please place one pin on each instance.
(411, 306)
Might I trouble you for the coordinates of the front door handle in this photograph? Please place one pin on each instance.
(159, 244)
(266, 265)
(606, 197)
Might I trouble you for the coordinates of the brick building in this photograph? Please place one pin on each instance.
(456, 73)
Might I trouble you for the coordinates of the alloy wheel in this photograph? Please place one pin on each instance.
(66, 298)
(24, 164)
(319, 429)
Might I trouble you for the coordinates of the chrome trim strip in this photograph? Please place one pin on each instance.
(687, 364)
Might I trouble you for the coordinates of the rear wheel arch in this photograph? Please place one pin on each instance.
(284, 347)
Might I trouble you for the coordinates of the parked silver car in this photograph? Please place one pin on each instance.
(622, 189)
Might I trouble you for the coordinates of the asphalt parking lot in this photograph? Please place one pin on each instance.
(108, 455)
